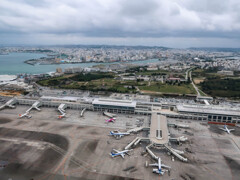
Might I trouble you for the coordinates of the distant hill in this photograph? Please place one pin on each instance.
(90, 46)
(112, 46)
(212, 49)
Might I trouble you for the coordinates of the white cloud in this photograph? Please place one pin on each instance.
(122, 18)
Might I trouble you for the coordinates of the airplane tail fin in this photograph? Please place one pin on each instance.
(111, 154)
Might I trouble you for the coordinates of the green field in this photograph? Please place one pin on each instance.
(166, 88)
(91, 82)
(157, 72)
(221, 87)
(217, 85)
(106, 82)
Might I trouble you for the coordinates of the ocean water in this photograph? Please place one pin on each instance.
(13, 63)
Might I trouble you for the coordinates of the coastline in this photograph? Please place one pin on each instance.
(15, 63)
(45, 62)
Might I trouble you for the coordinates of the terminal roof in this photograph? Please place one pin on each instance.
(114, 102)
(209, 109)
(158, 122)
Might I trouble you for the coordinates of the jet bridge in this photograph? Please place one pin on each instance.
(136, 141)
(176, 153)
(110, 115)
(9, 103)
(150, 152)
(82, 112)
(206, 102)
(178, 125)
(36, 106)
(61, 109)
(135, 130)
(179, 139)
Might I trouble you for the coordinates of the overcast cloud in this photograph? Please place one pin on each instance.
(175, 23)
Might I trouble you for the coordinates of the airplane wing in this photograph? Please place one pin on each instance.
(231, 129)
(116, 150)
(127, 153)
(165, 166)
(155, 164)
(123, 155)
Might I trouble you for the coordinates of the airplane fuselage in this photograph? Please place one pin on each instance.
(160, 167)
(119, 153)
(111, 120)
(118, 134)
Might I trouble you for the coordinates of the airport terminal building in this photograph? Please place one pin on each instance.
(210, 113)
(113, 105)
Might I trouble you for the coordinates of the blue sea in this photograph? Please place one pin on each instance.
(13, 64)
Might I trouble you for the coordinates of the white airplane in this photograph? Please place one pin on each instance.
(120, 153)
(118, 134)
(225, 128)
(62, 116)
(25, 115)
(159, 170)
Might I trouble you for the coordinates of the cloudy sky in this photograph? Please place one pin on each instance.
(172, 23)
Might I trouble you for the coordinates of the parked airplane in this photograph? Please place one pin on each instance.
(159, 170)
(118, 134)
(119, 153)
(25, 115)
(62, 116)
(225, 128)
(110, 120)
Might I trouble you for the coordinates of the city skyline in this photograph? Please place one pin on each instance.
(177, 24)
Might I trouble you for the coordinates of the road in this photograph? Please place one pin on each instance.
(195, 87)
(189, 72)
